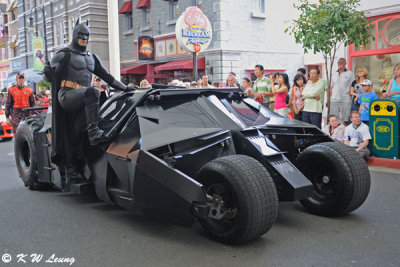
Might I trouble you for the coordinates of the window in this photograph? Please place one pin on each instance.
(173, 10)
(57, 34)
(28, 5)
(198, 3)
(13, 16)
(61, 33)
(71, 23)
(380, 68)
(128, 21)
(40, 32)
(261, 6)
(29, 43)
(146, 16)
(258, 11)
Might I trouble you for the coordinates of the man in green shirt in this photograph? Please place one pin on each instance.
(312, 94)
(262, 86)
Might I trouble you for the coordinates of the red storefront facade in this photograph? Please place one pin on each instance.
(170, 62)
(381, 54)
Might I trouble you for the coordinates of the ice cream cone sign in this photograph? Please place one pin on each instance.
(193, 30)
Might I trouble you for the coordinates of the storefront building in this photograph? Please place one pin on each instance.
(380, 55)
(245, 33)
(170, 62)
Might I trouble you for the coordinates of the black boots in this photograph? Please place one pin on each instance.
(73, 176)
(96, 135)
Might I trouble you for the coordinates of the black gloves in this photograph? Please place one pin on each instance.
(131, 88)
(48, 72)
(117, 85)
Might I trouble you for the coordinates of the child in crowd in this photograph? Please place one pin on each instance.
(365, 100)
(280, 94)
(298, 102)
(334, 129)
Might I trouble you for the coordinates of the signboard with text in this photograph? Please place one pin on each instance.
(146, 48)
(38, 55)
(193, 30)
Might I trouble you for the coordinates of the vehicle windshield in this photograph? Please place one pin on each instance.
(247, 114)
(241, 113)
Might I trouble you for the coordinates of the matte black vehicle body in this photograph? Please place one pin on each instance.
(160, 141)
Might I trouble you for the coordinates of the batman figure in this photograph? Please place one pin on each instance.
(70, 71)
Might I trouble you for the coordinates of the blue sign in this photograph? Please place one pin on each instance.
(16, 64)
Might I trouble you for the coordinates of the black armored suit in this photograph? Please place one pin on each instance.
(71, 72)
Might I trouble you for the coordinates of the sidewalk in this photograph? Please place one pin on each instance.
(375, 163)
(383, 162)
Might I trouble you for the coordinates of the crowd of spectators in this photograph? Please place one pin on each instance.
(306, 99)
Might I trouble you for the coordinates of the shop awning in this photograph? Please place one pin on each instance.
(126, 8)
(143, 3)
(138, 69)
(184, 64)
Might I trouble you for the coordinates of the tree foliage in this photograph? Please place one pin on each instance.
(324, 25)
(44, 84)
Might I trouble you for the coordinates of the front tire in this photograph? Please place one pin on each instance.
(25, 152)
(340, 177)
(248, 193)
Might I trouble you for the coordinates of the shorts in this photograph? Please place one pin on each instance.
(341, 109)
(284, 112)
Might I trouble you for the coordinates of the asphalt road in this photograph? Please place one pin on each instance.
(83, 230)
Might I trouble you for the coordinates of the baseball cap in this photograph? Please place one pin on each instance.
(366, 82)
(97, 79)
(20, 75)
(194, 82)
(47, 92)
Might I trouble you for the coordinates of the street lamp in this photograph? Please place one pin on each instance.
(32, 29)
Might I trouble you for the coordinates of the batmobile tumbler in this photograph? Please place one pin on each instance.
(207, 155)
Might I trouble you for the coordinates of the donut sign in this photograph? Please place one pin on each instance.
(193, 30)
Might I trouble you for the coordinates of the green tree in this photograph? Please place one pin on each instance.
(44, 84)
(325, 25)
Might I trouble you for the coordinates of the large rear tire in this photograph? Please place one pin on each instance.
(340, 177)
(249, 196)
(25, 153)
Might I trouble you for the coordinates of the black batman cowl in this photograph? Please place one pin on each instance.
(81, 31)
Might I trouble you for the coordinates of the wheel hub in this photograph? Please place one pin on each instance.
(217, 209)
(325, 179)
